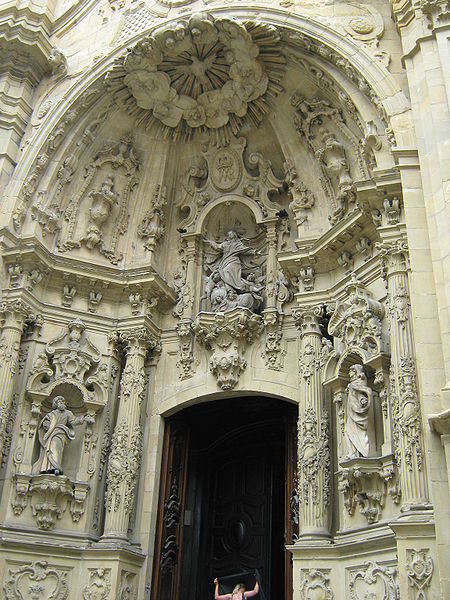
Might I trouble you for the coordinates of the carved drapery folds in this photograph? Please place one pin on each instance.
(204, 72)
(126, 444)
(70, 362)
(407, 426)
(314, 457)
(226, 336)
(99, 208)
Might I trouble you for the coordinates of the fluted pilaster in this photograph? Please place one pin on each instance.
(313, 431)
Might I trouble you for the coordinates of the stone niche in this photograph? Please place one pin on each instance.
(57, 452)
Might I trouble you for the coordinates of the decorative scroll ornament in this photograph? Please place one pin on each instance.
(357, 320)
(99, 587)
(315, 584)
(374, 581)
(202, 73)
(153, 225)
(227, 335)
(225, 169)
(365, 482)
(30, 581)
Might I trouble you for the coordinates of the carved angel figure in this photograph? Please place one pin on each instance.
(226, 288)
(55, 430)
(359, 399)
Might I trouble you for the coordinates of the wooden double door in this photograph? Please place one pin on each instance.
(228, 473)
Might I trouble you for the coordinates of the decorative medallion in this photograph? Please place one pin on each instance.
(226, 170)
(203, 73)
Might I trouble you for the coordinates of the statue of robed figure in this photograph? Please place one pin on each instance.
(226, 288)
(359, 400)
(55, 430)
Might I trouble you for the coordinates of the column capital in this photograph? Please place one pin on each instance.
(16, 312)
(307, 319)
(137, 340)
(394, 256)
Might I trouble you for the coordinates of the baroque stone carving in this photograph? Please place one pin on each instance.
(226, 288)
(55, 431)
(359, 401)
(222, 168)
(357, 320)
(314, 458)
(365, 482)
(374, 581)
(302, 199)
(34, 579)
(107, 217)
(226, 335)
(99, 587)
(123, 466)
(420, 571)
(406, 414)
(314, 584)
(153, 225)
(204, 72)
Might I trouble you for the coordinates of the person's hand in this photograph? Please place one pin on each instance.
(216, 580)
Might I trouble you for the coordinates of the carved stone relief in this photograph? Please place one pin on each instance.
(99, 586)
(153, 225)
(100, 206)
(226, 286)
(226, 336)
(35, 580)
(315, 584)
(357, 320)
(420, 571)
(67, 361)
(223, 169)
(204, 72)
(374, 580)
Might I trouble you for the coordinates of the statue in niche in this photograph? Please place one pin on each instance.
(55, 430)
(227, 287)
(102, 202)
(359, 400)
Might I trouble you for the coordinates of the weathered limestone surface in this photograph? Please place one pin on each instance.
(202, 200)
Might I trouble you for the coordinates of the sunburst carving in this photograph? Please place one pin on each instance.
(200, 74)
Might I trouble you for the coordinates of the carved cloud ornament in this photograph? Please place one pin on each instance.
(201, 73)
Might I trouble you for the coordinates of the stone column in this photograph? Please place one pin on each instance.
(405, 405)
(14, 314)
(314, 461)
(126, 444)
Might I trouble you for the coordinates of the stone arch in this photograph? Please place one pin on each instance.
(345, 57)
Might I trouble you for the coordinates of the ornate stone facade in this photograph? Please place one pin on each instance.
(206, 204)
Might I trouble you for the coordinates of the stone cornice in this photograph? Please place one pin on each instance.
(32, 252)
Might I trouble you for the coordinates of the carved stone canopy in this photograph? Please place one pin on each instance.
(201, 73)
(356, 321)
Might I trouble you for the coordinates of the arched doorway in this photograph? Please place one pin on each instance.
(225, 503)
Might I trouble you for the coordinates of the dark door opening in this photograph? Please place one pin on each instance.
(239, 471)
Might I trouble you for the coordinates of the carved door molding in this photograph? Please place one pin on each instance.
(169, 533)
